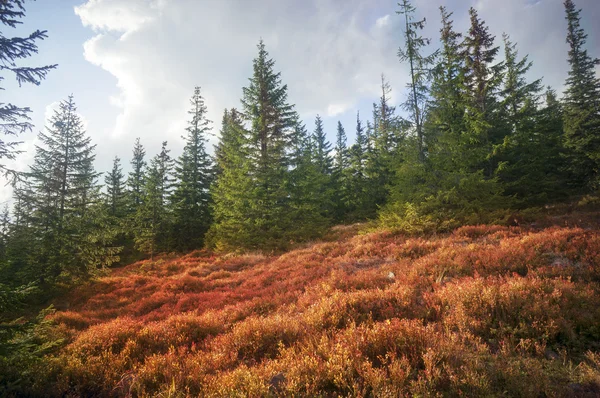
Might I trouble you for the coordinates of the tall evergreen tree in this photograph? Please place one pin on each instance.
(272, 122)
(358, 178)
(194, 173)
(341, 175)
(14, 119)
(420, 68)
(384, 150)
(582, 105)
(322, 147)
(115, 190)
(153, 220)
(321, 150)
(310, 200)
(445, 119)
(64, 191)
(136, 178)
(482, 81)
(231, 190)
(531, 145)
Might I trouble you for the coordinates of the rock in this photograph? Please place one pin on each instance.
(583, 390)
(276, 382)
(551, 354)
(391, 276)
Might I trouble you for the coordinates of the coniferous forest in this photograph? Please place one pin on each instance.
(476, 142)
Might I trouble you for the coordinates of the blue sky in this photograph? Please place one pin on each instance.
(132, 64)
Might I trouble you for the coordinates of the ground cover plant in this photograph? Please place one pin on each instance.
(481, 311)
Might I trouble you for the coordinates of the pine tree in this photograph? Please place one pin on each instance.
(450, 188)
(62, 197)
(115, 190)
(357, 172)
(310, 202)
(321, 150)
(61, 174)
(420, 67)
(582, 105)
(482, 80)
(136, 178)
(152, 219)
(322, 155)
(263, 210)
(530, 146)
(21, 244)
(445, 119)
(384, 154)
(231, 190)
(341, 176)
(194, 172)
(14, 119)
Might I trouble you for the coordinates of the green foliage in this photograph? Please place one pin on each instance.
(358, 199)
(115, 190)
(420, 72)
(15, 120)
(230, 191)
(324, 188)
(24, 347)
(342, 177)
(310, 190)
(136, 178)
(254, 206)
(58, 216)
(455, 184)
(385, 138)
(194, 174)
(581, 105)
(153, 220)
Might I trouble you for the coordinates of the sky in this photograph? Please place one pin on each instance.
(132, 65)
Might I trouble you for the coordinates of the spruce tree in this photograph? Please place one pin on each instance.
(322, 154)
(194, 174)
(63, 197)
(231, 190)
(445, 119)
(341, 176)
(321, 150)
(310, 202)
(420, 67)
(451, 187)
(21, 244)
(115, 190)
(136, 178)
(357, 173)
(153, 219)
(530, 145)
(384, 150)
(14, 119)
(263, 210)
(482, 82)
(582, 105)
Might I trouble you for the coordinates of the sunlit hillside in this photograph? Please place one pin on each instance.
(482, 311)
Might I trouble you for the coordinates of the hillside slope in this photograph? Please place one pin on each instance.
(483, 311)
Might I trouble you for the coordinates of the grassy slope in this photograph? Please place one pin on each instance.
(484, 311)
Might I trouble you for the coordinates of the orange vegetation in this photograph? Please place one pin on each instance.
(483, 311)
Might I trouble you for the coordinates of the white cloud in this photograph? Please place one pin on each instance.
(383, 21)
(118, 16)
(331, 54)
(158, 51)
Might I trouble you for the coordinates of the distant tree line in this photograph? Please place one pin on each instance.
(478, 138)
